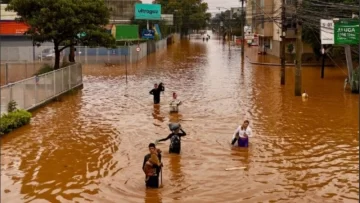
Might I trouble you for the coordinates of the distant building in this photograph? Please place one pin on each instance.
(263, 17)
(15, 46)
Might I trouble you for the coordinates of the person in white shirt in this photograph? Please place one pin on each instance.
(174, 104)
(241, 135)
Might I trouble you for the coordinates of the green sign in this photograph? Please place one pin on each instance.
(80, 35)
(346, 31)
(127, 32)
(147, 12)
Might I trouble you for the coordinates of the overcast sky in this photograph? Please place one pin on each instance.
(215, 3)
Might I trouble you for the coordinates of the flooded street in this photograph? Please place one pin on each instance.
(89, 147)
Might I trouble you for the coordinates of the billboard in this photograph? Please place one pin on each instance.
(168, 18)
(13, 28)
(127, 32)
(346, 31)
(147, 12)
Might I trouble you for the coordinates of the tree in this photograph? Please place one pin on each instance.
(233, 25)
(188, 14)
(65, 22)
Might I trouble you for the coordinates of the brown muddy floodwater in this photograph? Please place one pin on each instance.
(89, 147)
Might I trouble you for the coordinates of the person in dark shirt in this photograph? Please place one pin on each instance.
(153, 181)
(156, 92)
(175, 140)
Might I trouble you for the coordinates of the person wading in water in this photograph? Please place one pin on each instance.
(156, 92)
(242, 135)
(174, 104)
(152, 178)
(175, 139)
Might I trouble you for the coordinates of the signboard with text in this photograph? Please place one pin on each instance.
(148, 34)
(147, 12)
(327, 31)
(346, 31)
(168, 18)
(13, 28)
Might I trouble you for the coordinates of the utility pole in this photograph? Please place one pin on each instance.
(298, 77)
(359, 73)
(242, 29)
(323, 51)
(282, 43)
(0, 56)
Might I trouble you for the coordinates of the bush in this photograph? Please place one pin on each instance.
(44, 69)
(13, 120)
(12, 106)
(66, 63)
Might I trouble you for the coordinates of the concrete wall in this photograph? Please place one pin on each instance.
(308, 54)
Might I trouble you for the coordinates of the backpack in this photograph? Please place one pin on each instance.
(175, 141)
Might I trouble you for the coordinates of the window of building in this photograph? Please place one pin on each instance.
(290, 23)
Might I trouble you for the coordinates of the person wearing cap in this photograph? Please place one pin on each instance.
(174, 104)
(153, 180)
(241, 136)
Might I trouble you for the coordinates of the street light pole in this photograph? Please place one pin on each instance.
(242, 30)
(0, 54)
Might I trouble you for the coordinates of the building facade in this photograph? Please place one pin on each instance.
(15, 45)
(264, 17)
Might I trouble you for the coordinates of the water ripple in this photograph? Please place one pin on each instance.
(90, 146)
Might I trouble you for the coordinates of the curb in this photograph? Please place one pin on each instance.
(287, 64)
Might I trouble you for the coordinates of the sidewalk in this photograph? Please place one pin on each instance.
(252, 56)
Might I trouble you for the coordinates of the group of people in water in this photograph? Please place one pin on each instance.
(152, 165)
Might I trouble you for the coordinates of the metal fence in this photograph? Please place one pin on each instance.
(12, 71)
(19, 70)
(119, 55)
(87, 55)
(34, 91)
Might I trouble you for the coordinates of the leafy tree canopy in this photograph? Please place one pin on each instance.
(61, 22)
(188, 14)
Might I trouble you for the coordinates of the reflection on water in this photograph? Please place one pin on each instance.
(90, 146)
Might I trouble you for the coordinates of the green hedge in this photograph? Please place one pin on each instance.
(44, 69)
(13, 120)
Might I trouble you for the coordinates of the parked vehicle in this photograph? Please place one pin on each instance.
(47, 54)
